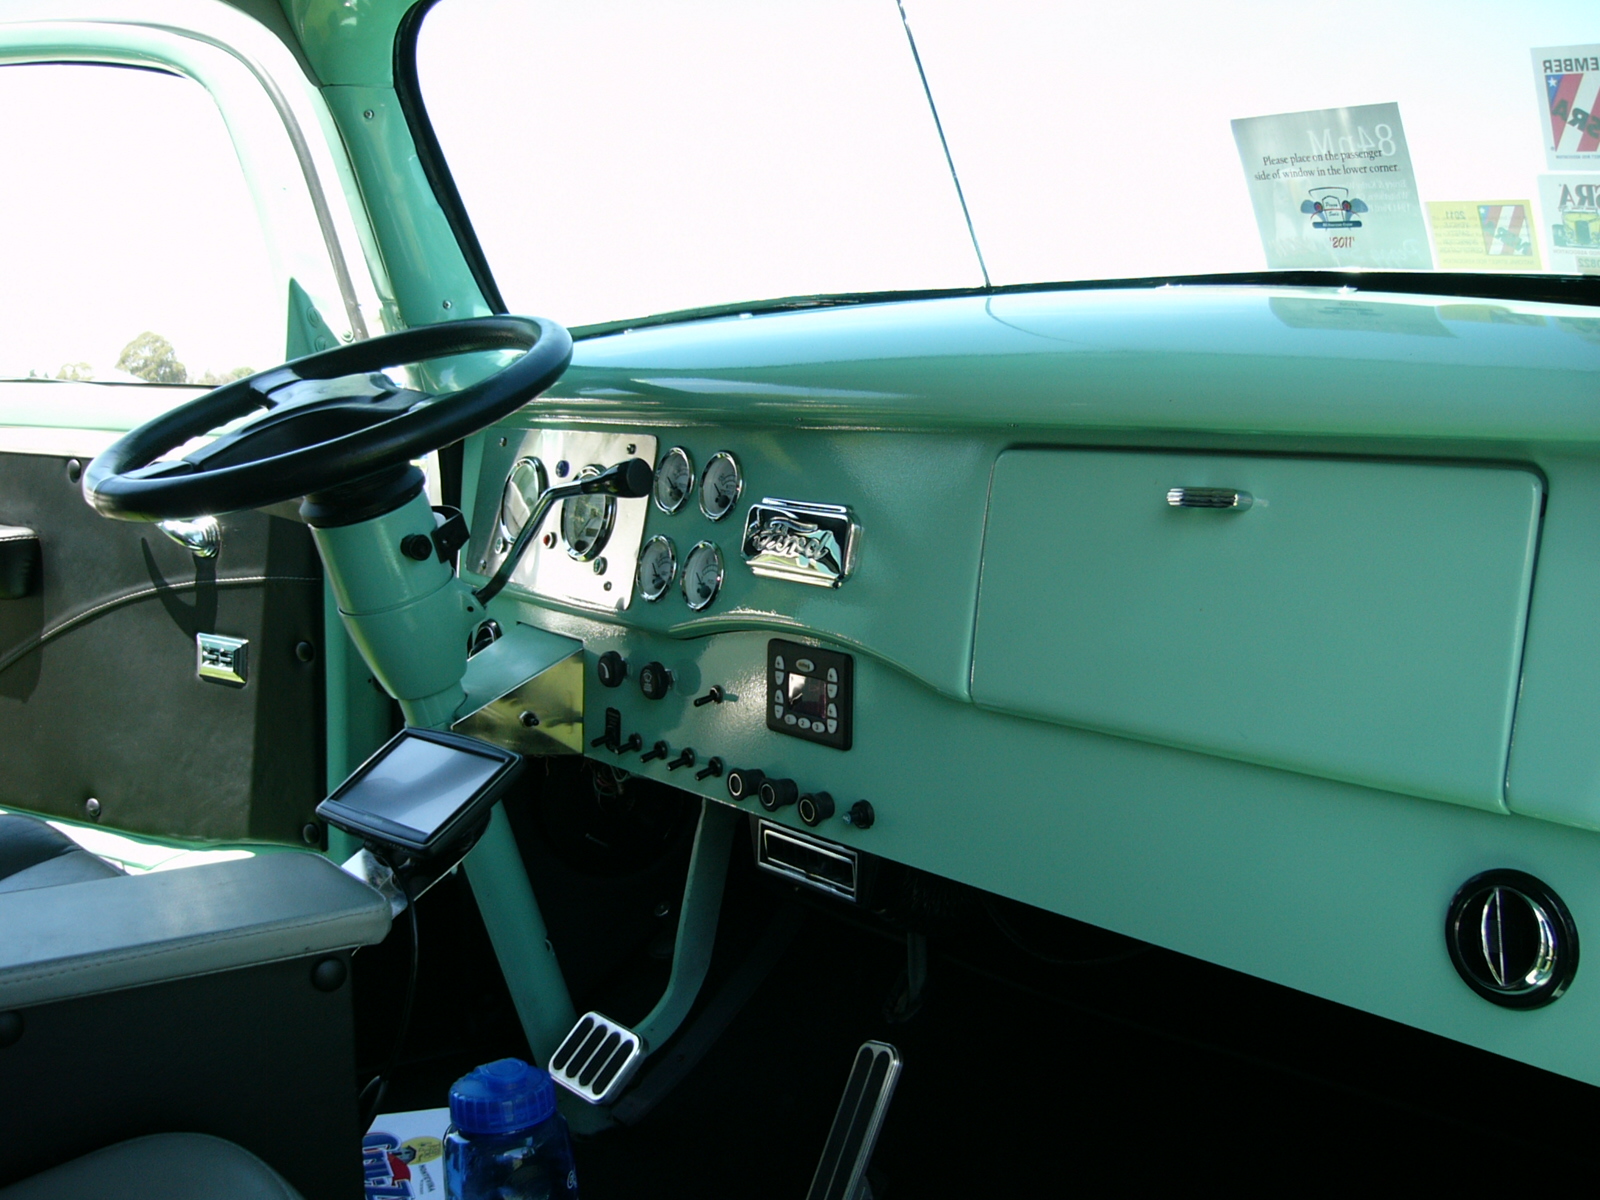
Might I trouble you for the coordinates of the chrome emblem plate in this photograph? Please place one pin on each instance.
(801, 542)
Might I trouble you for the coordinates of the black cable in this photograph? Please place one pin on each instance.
(371, 1097)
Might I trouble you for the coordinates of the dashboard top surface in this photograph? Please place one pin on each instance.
(1201, 359)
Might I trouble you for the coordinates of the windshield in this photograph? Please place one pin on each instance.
(618, 158)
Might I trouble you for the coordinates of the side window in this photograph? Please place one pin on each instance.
(131, 247)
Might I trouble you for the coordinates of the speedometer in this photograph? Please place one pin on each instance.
(658, 564)
(702, 575)
(674, 480)
(720, 486)
(586, 521)
(523, 485)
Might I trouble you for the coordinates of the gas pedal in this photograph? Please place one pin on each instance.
(842, 1171)
(596, 1060)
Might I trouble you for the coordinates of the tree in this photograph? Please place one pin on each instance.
(212, 379)
(152, 358)
(77, 370)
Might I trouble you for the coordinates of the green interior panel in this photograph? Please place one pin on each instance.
(1359, 620)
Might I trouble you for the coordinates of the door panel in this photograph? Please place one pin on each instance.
(99, 695)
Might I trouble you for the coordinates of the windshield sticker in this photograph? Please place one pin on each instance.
(1489, 235)
(1334, 188)
(1570, 205)
(1568, 83)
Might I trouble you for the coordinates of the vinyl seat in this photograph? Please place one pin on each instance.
(163, 1166)
(35, 855)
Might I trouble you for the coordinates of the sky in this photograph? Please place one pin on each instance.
(645, 156)
(623, 157)
(123, 208)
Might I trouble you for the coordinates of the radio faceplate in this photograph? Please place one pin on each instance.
(810, 693)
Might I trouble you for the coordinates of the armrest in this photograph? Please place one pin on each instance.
(100, 935)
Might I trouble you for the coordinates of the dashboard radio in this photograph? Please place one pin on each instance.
(810, 693)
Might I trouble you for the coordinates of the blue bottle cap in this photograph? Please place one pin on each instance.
(502, 1097)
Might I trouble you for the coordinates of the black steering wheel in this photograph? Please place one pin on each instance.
(330, 419)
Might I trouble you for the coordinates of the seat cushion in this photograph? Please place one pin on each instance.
(163, 1166)
(35, 855)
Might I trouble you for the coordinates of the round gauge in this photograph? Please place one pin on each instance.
(658, 565)
(702, 575)
(523, 485)
(586, 520)
(720, 486)
(674, 480)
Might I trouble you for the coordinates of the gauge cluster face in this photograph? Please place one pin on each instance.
(674, 480)
(658, 566)
(586, 549)
(720, 485)
(586, 521)
(702, 575)
(593, 549)
(523, 486)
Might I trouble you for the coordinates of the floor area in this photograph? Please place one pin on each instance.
(1044, 1055)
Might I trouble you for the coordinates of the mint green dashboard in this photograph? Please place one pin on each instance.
(1277, 733)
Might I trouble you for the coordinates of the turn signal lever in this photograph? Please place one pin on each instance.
(628, 479)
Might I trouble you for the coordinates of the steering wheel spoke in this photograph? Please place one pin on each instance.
(321, 422)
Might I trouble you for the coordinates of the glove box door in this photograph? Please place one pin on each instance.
(1356, 620)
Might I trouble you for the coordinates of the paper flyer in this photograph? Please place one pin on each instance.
(1568, 83)
(1570, 205)
(1334, 188)
(403, 1155)
(1488, 235)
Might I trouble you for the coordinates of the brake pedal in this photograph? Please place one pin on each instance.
(596, 1060)
(842, 1171)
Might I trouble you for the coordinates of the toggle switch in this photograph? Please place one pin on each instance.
(633, 742)
(714, 696)
(659, 750)
(713, 768)
(685, 759)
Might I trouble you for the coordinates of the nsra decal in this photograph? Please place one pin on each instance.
(1506, 229)
(1569, 83)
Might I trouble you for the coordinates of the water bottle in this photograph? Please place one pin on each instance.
(506, 1141)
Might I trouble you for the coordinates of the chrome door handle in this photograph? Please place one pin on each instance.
(1225, 498)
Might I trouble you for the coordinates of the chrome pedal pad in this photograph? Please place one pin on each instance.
(596, 1060)
(842, 1171)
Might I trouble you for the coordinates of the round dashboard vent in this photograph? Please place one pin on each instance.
(1512, 939)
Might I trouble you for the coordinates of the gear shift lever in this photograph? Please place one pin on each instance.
(627, 479)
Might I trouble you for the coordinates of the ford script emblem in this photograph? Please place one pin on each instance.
(1512, 939)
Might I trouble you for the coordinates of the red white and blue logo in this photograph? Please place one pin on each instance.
(1574, 123)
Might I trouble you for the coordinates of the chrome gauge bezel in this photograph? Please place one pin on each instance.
(684, 575)
(672, 557)
(688, 465)
(606, 526)
(503, 529)
(738, 486)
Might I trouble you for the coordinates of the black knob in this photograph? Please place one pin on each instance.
(655, 681)
(612, 669)
(714, 696)
(776, 793)
(659, 750)
(713, 767)
(633, 742)
(815, 808)
(418, 546)
(861, 815)
(744, 782)
(685, 759)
